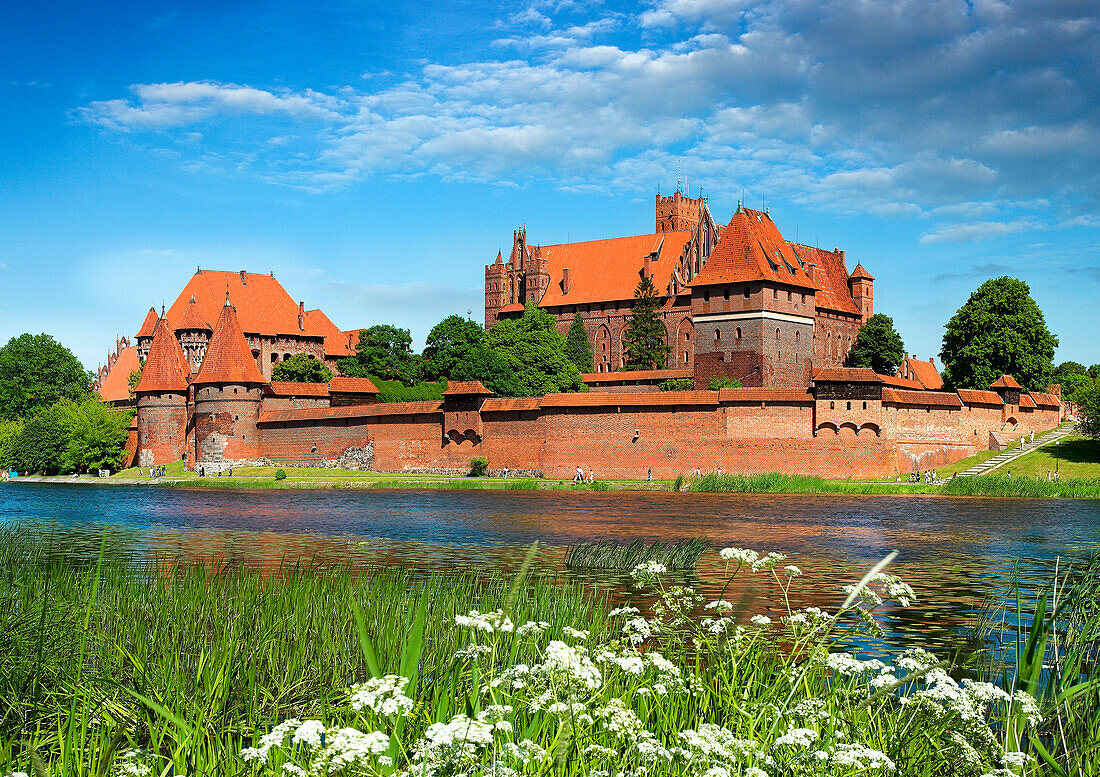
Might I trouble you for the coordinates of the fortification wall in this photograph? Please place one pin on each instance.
(225, 423)
(161, 428)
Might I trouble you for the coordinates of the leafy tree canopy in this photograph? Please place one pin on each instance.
(9, 432)
(722, 381)
(96, 437)
(523, 357)
(301, 368)
(645, 338)
(1094, 371)
(36, 371)
(449, 342)
(384, 351)
(1073, 385)
(577, 348)
(1068, 368)
(1088, 400)
(998, 331)
(878, 346)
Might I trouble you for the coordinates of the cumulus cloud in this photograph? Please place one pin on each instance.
(973, 231)
(902, 107)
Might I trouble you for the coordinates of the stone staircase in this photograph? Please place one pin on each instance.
(1005, 457)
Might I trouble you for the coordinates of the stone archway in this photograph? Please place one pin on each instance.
(601, 350)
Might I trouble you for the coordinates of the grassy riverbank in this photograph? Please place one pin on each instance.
(113, 668)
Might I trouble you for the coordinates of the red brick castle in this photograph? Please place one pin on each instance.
(736, 299)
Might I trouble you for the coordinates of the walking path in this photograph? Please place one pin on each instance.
(1005, 457)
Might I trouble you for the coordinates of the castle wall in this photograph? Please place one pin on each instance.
(225, 423)
(161, 428)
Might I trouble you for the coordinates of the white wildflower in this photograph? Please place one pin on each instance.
(792, 571)
(572, 661)
(383, 695)
(721, 606)
(638, 630)
(915, 660)
(309, 732)
(760, 620)
(859, 757)
(573, 633)
(768, 562)
(624, 611)
(487, 622)
(740, 555)
(648, 572)
(533, 628)
(619, 719)
(797, 737)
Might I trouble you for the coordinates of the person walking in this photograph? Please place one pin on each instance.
(649, 475)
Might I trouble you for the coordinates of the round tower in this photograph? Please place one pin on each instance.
(161, 395)
(228, 391)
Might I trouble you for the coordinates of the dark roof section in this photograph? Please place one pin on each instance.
(228, 358)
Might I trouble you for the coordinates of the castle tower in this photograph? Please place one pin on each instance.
(862, 285)
(193, 334)
(162, 401)
(228, 390)
(536, 277)
(145, 334)
(678, 212)
(496, 289)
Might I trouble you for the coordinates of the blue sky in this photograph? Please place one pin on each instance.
(376, 155)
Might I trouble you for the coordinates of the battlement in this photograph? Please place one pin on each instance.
(678, 212)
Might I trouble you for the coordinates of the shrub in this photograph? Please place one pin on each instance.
(722, 381)
(677, 384)
(280, 474)
(478, 466)
(678, 484)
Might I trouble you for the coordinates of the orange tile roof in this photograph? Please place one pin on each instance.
(977, 397)
(1026, 401)
(165, 369)
(457, 388)
(263, 305)
(342, 385)
(847, 375)
(902, 383)
(640, 399)
(192, 319)
(925, 373)
(1045, 400)
(337, 343)
(609, 270)
(632, 376)
(149, 325)
(228, 358)
(352, 411)
(514, 307)
(510, 404)
(289, 388)
(116, 385)
(921, 398)
(860, 274)
(751, 249)
(764, 395)
(1005, 381)
(833, 292)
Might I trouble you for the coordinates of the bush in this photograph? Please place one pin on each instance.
(280, 474)
(678, 484)
(677, 384)
(478, 466)
(721, 381)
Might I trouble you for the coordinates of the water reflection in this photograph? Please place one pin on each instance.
(952, 551)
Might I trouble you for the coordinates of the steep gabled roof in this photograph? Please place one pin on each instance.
(609, 270)
(1042, 399)
(165, 369)
(833, 292)
(1026, 401)
(847, 375)
(859, 274)
(751, 249)
(116, 385)
(263, 305)
(925, 373)
(192, 319)
(342, 385)
(459, 388)
(1005, 381)
(228, 358)
(337, 343)
(149, 325)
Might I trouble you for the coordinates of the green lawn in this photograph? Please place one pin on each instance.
(963, 465)
(1072, 457)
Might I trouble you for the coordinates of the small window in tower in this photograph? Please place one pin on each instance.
(849, 405)
(789, 298)
(234, 389)
(236, 418)
(746, 292)
(687, 336)
(777, 333)
(797, 336)
(726, 292)
(864, 405)
(832, 405)
(775, 293)
(706, 295)
(738, 333)
(685, 357)
(717, 334)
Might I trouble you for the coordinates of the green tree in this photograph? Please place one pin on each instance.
(1094, 371)
(1072, 377)
(386, 352)
(529, 358)
(9, 432)
(878, 346)
(41, 445)
(577, 348)
(998, 331)
(1066, 369)
(645, 338)
(96, 437)
(1088, 402)
(36, 371)
(722, 381)
(301, 368)
(449, 342)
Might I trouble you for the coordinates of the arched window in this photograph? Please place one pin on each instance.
(832, 405)
(797, 336)
(864, 405)
(775, 293)
(777, 333)
(788, 296)
(687, 335)
(849, 405)
(738, 333)
(717, 335)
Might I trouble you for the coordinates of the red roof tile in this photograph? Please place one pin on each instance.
(116, 385)
(1005, 381)
(860, 274)
(192, 320)
(609, 270)
(640, 399)
(263, 305)
(751, 249)
(514, 307)
(228, 358)
(833, 292)
(1026, 401)
(924, 373)
(921, 398)
(457, 388)
(977, 397)
(764, 395)
(1045, 400)
(352, 411)
(337, 343)
(902, 383)
(165, 369)
(149, 325)
(633, 376)
(510, 404)
(289, 388)
(342, 385)
(847, 375)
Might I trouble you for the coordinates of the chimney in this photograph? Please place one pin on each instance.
(932, 360)
(244, 282)
(565, 280)
(301, 316)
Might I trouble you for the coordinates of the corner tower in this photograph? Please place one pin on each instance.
(862, 286)
(162, 400)
(228, 391)
(678, 212)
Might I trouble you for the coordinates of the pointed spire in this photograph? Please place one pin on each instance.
(165, 368)
(192, 320)
(228, 358)
(149, 325)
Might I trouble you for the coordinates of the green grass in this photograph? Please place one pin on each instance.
(776, 483)
(1003, 485)
(1071, 457)
(612, 554)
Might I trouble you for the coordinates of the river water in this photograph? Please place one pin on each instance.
(953, 551)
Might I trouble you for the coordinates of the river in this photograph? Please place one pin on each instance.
(953, 551)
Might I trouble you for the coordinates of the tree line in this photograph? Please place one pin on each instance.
(50, 419)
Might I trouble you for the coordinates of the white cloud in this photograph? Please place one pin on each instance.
(973, 231)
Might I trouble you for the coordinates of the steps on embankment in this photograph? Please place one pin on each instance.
(989, 465)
